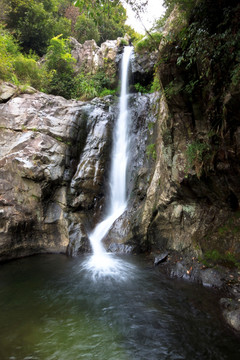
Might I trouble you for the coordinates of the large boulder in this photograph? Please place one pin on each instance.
(46, 195)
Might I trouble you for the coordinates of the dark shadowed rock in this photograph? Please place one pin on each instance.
(160, 258)
(231, 312)
(212, 278)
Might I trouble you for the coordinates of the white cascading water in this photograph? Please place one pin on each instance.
(102, 263)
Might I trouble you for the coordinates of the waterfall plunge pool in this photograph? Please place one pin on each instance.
(52, 308)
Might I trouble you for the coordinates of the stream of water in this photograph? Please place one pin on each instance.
(52, 310)
(101, 263)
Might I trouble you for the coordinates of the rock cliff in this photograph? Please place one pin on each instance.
(42, 183)
(54, 159)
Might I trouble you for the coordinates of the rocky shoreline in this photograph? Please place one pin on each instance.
(224, 280)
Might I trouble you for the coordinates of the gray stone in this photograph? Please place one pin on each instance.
(211, 278)
(231, 312)
(160, 258)
(7, 90)
(42, 138)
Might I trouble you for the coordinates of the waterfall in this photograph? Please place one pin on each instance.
(101, 262)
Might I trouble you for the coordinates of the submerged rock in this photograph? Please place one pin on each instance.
(212, 278)
(231, 312)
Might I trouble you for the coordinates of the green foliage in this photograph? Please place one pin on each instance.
(62, 26)
(42, 26)
(108, 16)
(214, 257)
(199, 155)
(155, 86)
(34, 23)
(110, 30)
(134, 36)
(191, 86)
(106, 92)
(59, 63)
(210, 54)
(124, 42)
(150, 126)
(85, 88)
(28, 71)
(55, 76)
(88, 86)
(8, 50)
(140, 88)
(186, 5)
(86, 29)
(16, 67)
(172, 89)
(149, 43)
(151, 151)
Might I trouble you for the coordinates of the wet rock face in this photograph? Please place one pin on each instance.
(143, 68)
(89, 183)
(142, 119)
(90, 58)
(55, 161)
(47, 180)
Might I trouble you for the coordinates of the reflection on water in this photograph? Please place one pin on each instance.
(51, 308)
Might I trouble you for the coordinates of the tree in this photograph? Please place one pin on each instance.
(72, 12)
(4, 10)
(34, 23)
(86, 29)
(109, 17)
(35, 28)
(60, 62)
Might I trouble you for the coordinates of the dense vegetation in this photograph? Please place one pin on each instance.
(207, 45)
(34, 22)
(200, 62)
(30, 29)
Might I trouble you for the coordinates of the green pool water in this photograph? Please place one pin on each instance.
(51, 308)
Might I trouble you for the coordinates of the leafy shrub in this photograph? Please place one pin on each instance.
(85, 88)
(140, 88)
(28, 71)
(124, 42)
(18, 68)
(199, 155)
(106, 92)
(151, 151)
(62, 26)
(59, 62)
(210, 55)
(88, 86)
(214, 257)
(149, 43)
(155, 86)
(8, 50)
(86, 29)
(34, 23)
